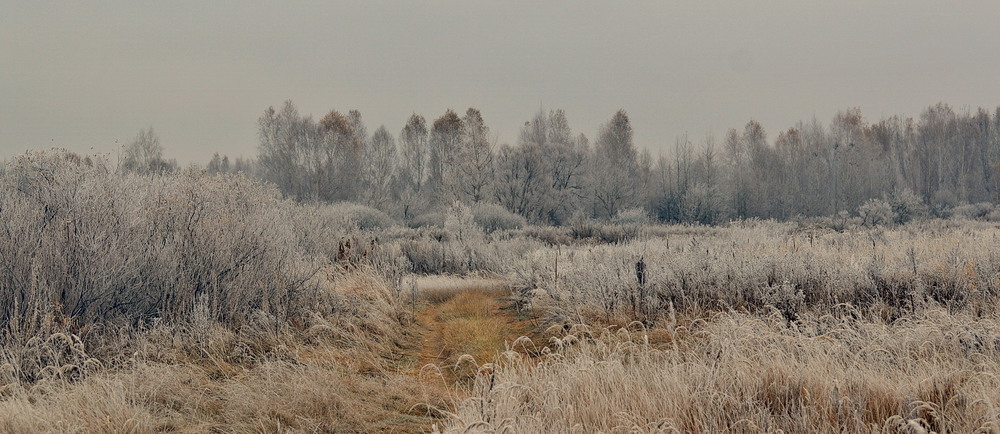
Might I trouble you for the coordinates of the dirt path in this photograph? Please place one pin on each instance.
(458, 317)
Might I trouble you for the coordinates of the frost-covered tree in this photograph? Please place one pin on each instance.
(617, 158)
(144, 154)
(287, 152)
(475, 159)
(414, 147)
(343, 150)
(445, 145)
(520, 180)
(380, 168)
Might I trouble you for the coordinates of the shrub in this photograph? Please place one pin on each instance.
(426, 220)
(355, 216)
(549, 234)
(604, 233)
(492, 217)
(974, 211)
(460, 223)
(94, 245)
(876, 212)
(907, 205)
(631, 216)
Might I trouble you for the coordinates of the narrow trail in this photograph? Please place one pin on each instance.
(457, 317)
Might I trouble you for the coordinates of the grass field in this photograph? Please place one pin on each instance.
(196, 303)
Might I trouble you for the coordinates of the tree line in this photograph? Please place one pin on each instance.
(553, 175)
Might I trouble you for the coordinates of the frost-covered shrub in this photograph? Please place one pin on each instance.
(589, 229)
(973, 211)
(94, 245)
(431, 219)
(993, 216)
(876, 212)
(549, 234)
(907, 205)
(942, 202)
(355, 216)
(493, 217)
(752, 266)
(460, 223)
(631, 216)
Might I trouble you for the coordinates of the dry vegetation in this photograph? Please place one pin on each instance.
(758, 327)
(193, 302)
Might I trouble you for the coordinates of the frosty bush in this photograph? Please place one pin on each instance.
(631, 216)
(491, 218)
(751, 266)
(876, 212)
(361, 217)
(93, 245)
(907, 205)
(431, 219)
(460, 222)
(973, 211)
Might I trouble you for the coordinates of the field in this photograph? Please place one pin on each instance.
(207, 303)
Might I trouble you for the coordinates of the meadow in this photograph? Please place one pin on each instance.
(197, 302)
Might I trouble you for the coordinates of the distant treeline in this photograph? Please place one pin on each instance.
(906, 167)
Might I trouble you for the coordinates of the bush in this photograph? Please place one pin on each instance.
(907, 205)
(492, 217)
(631, 216)
(974, 211)
(604, 233)
(95, 246)
(942, 202)
(355, 216)
(551, 235)
(460, 223)
(426, 220)
(876, 212)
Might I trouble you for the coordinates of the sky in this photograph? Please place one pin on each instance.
(87, 76)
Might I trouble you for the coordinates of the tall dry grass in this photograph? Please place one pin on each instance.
(760, 265)
(335, 373)
(738, 372)
(757, 327)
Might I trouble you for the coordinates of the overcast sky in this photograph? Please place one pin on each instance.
(86, 77)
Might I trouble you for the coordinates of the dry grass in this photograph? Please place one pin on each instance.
(341, 373)
(194, 304)
(747, 373)
(470, 327)
(758, 327)
(756, 266)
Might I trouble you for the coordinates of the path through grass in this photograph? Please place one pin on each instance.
(457, 318)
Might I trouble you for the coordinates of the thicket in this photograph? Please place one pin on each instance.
(90, 256)
(755, 266)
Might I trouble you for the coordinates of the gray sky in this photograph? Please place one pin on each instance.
(201, 73)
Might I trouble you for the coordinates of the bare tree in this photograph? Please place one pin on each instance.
(144, 155)
(617, 156)
(445, 143)
(413, 174)
(343, 151)
(475, 160)
(380, 168)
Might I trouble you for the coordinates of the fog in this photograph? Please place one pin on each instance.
(87, 77)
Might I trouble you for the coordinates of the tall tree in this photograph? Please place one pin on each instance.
(344, 153)
(144, 155)
(413, 174)
(380, 168)
(445, 143)
(288, 144)
(617, 155)
(475, 160)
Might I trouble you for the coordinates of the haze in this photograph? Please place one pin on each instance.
(88, 78)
